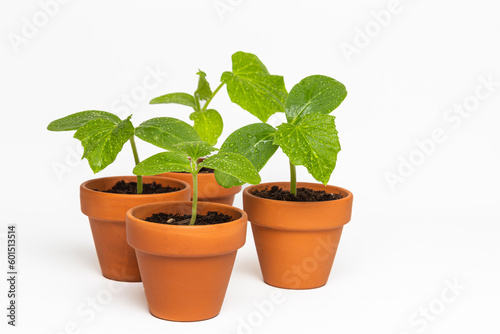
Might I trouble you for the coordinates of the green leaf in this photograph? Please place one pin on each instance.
(178, 98)
(255, 142)
(195, 149)
(314, 94)
(233, 164)
(251, 86)
(208, 124)
(162, 163)
(102, 140)
(77, 120)
(203, 92)
(312, 143)
(165, 132)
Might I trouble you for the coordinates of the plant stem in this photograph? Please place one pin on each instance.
(194, 166)
(195, 198)
(293, 179)
(136, 158)
(205, 106)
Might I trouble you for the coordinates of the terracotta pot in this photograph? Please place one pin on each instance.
(106, 214)
(185, 269)
(297, 241)
(208, 188)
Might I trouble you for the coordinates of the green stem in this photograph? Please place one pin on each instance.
(195, 198)
(205, 106)
(293, 179)
(137, 161)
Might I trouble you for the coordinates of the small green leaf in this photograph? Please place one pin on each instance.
(203, 92)
(102, 140)
(178, 98)
(195, 149)
(314, 94)
(208, 124)
(233, 164)
(255, 142)
(165, 132)
(79, 119)
(312, 143)
(162, 163)
(251, 86)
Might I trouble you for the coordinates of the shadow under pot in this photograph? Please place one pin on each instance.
(297, 242)
(185, 269)
(208, 188)
(106, 213)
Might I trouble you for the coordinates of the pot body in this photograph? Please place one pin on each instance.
(106, 213)
(185, 269)
(297, 241)
(208, 188)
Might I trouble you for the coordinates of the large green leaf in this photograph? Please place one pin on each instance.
(195, 149)
(233, 164)
(203, 92)
(77, 120)
(102, 140)
(314, 94)
(165, 132)
(313, 143)
(255, 142)
(208, 124)
(179, 98)
(252, 87)
(162, 163)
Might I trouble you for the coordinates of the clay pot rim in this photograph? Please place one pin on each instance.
(183, 185)
(131, 215)
(207, 179)
(347, 194)
(202, 175)
(153, 238)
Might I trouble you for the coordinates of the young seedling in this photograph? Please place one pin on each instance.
(102, 135)
(309, 137)
(207, 122)
(184, 149)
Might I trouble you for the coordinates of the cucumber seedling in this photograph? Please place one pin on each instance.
(309, 137)
(184, 149)
(102, 135)
(207, 122)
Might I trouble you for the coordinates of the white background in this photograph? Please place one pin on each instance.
(439, 223)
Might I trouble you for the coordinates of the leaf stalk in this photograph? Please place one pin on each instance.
(293, 179)
(137, 161)
(194, 207)
(207, 102)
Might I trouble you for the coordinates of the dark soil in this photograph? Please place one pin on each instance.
(303, 195)
(211, 218)
(122, 187)
(204, 170)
